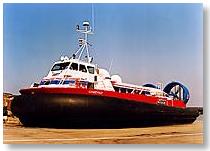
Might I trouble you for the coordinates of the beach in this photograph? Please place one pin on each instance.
(15, 133)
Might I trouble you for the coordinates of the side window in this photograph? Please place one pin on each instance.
(60, 66)
(136, 91)
(66, 82)
(45, 82)
(69, 82)
(117, 89)
(129, 90)
(74, 66)
(82, 68)
(123, 90)
(55, 82)
(90, 69)
(145, 92)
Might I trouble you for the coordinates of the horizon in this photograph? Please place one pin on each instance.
(162, 41)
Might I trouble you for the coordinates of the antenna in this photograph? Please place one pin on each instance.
(93, 17)
(83, 42)
(110, 65)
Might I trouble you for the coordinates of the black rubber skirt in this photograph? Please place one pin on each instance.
(80, 111)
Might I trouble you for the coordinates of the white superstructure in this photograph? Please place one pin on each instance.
(80, 71)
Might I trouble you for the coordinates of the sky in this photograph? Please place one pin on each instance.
(146, 43)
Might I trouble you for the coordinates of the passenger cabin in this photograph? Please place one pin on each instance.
(66, 72)
(139, 90)
(76, 73)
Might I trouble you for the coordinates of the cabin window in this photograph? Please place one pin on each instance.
(55, 82)
(44, 82)
(117, 89)
(74, 66)
(90, 69)
(123, 90)
(129, 90)
(47, 82)
(69, 82)
(82, 68)
(95, 78)
(145, 92)
(60, 66)
(66, 82)
(136, 91)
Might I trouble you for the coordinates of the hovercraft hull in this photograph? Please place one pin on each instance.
(71, 110)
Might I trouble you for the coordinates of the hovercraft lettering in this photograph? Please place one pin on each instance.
(161, 102)
(95, 92)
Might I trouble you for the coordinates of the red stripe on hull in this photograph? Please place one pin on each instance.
(93, 92)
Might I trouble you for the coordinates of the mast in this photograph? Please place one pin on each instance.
(83, 42)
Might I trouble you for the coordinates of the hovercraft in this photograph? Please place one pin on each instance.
(77, 92)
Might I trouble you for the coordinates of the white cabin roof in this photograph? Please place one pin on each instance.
(132, 86)
(71, 60)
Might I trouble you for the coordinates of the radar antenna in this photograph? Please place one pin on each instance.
(83, 42)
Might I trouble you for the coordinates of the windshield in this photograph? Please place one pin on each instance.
(60, 66)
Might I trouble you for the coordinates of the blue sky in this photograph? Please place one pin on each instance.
(148, 43)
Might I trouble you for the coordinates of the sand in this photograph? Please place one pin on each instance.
(15, 133)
